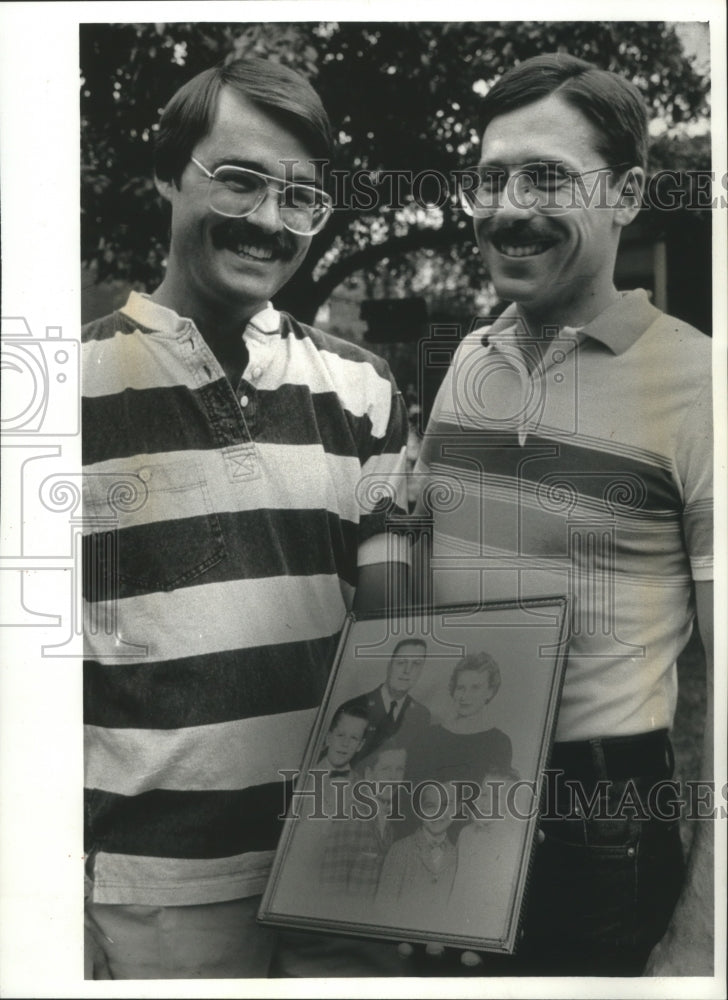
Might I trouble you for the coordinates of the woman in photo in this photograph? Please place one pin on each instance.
(464, 744)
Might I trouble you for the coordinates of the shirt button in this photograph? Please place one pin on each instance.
(257, 372)
(244, 400)
(145, 475)
(631, 852)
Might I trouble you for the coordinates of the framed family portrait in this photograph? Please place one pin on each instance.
(414, 814)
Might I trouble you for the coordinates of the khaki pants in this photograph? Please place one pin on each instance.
(211, 941)
(221, 941)
(301, 955)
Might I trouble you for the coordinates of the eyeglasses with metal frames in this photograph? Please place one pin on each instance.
(237, 192)
(543, 177)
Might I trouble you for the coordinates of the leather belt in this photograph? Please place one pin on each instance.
(615, 758)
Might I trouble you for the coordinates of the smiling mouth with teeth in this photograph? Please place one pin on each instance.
(257, 253)
(523, 249)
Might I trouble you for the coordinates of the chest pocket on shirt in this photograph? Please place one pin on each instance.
(147, 529)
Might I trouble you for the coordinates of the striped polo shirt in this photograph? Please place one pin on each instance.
(223, 532)
(585, 470)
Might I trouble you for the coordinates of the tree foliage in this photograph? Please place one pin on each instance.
(401, 97)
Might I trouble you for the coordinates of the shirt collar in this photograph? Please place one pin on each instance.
(618, 327)
(389, 700)
(430, 840)
(267, 320)
(149, 314)
(143, 310)
(621, 325)
(339, 771)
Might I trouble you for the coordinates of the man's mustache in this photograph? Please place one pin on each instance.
(521, 231)
(235, 232)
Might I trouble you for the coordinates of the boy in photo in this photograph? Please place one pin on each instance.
(343, 741)
(357, 846)
(419, 870)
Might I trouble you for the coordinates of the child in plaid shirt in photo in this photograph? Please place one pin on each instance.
(357, 846)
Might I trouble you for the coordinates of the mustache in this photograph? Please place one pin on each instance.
(236, 231)
(521, 230)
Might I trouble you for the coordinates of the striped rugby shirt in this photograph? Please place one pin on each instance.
(222, 538)
(590, 475)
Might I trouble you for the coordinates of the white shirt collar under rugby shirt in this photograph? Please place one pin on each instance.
(266, 321)
(262, 337)
(142, 308)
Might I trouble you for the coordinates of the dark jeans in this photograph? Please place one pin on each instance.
(601, 896)
(602, 890)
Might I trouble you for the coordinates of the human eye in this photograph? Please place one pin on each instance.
(302, 196)
(491, 180)
(238, 180)
(546, 175)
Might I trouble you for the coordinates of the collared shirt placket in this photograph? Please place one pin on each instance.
(261, 348)
(221, 402)
(537, 374)
(233, 412)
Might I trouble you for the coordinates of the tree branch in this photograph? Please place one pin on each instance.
(415, 239)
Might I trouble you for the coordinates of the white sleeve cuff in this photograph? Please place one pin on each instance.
(702, 568)
(385, 547)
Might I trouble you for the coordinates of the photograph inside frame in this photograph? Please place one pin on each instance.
(418, 794)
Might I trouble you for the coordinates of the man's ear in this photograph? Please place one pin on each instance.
(629, 198)
(165, 188)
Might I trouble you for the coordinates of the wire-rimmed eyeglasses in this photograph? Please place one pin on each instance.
(481, 187)
(237, 192)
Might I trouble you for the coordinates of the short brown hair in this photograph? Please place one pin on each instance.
(277, 90)
(612, 104)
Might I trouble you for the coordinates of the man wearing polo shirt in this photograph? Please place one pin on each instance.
(576, 431)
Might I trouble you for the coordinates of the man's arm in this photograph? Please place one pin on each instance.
(381, 586)
(687, 947)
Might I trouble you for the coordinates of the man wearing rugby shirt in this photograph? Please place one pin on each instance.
(227, 451)
(578, 431)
